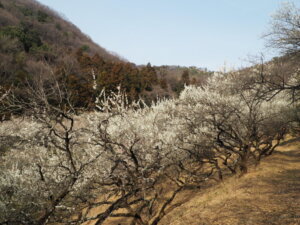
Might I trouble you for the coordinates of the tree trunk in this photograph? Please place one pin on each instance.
(244, 161)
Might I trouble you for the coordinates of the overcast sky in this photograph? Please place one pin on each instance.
(202, 33)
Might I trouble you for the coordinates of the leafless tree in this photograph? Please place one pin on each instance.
(284, 32)
(283, 74)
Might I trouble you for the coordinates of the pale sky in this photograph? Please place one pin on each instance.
(202, 33)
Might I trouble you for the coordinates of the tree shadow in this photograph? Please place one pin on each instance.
(295, 139)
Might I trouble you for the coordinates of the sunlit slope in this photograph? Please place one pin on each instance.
(269, 194)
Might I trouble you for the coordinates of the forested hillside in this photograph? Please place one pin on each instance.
(31, 33)
(33, 28)
(38, 44)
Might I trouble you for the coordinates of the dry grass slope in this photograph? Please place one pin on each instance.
(269, 194)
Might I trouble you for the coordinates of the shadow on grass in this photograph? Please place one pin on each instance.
(292, 156)
(283, 194)
(276, 198)
(269, 196)
(295, 139)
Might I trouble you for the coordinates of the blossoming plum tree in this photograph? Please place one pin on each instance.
(130, 159)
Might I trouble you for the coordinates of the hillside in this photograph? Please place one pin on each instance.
(34, 38)
(78, 145)
(38, 29)
(269, 194)
(176, 76)
(36, 43)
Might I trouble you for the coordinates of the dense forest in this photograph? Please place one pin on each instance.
(94, 139)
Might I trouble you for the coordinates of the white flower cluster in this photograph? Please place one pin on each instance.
(132, 146)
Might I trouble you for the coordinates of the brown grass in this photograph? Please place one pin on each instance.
(268, 194)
